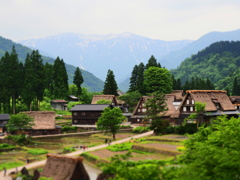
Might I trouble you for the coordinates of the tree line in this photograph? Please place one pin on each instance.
(26, 84)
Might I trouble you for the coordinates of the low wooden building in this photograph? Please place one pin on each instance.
(87, 114)
(59, 104)
(64, 168)
(44, 123)
(4, 118)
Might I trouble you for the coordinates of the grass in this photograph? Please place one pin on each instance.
(10, 165)
(37, 151)
(120, 147)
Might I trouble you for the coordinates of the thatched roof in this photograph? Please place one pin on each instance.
(235, 100)
(178, 94)
(42, 119)
(170, 107)
(210, 97)
(64, 168)
(111, 98)
(169, 101)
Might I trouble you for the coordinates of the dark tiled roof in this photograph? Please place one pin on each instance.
(4, 117)
(89, 107)
(60, 100)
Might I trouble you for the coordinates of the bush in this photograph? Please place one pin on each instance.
(37, 151)
(140, 129)
(69, 128)
(10, 165)
(68, 149)
(6, 146)
(20, 139)
(120, 147)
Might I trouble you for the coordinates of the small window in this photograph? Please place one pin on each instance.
(75, 121)
(138, 120)
(187, 101)
(139, 110)
(192, 101)
(75, 113)
(143, 110)
(83, 113)
(184, 109)
(191, 108)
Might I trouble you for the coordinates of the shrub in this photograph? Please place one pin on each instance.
(20, 139)
(6, 146)
(120, 147)
(140, 129)
(68, 149)
(37, 151)
(69, 128)
(10, 165)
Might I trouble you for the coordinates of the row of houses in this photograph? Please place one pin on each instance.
(179, 106)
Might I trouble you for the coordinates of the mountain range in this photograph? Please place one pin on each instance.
(98, 53)
(120, 52)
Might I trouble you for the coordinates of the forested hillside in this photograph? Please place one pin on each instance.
(220, 62)
(90, 81)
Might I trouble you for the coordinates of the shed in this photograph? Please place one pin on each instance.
(59, 104)
(4, 118)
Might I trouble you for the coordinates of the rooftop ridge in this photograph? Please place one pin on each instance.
(204, 91)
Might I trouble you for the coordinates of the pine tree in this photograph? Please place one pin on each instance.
(235, 87)
(60, 80)
(110, 85)
(78, 80)
(152, 62)
(133, 79)
(140, 80)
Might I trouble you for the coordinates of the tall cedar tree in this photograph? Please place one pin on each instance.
(110, 85)
(34, 81)
(40, 77)
(235, 89)
(152, 62)
(48, 68)
(78, 80)
(13, 77)
(133, 79)
(140, 80)
(60, 80)
(5, 94)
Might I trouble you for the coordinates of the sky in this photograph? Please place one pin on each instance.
(157, 19)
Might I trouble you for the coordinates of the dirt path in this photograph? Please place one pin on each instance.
(41, 163)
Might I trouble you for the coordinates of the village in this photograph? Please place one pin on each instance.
(85, 116)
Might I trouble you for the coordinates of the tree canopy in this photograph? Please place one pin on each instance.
(157, 79)
(20, 121)
(110, 120)
(110, 85)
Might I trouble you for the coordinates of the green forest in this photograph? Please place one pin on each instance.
(220, 63)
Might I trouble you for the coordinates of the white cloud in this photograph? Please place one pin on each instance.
(166, 20)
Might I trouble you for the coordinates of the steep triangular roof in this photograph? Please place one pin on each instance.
(64, 168)
(111, 98)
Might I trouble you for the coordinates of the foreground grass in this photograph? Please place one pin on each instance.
(10, 165)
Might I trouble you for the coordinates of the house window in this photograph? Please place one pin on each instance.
(191, 108)
(143, 110)
(75, 121)
(187, 101)
(184, 109)
(75, 113)
(83, 113)
(192, 101)
(217, 105)
(138, 120)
